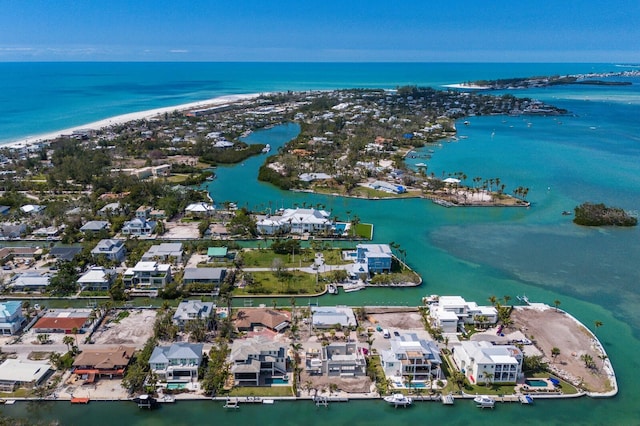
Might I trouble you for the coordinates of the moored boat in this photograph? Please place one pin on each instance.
(332, 289)
(398, 399)
(483, 401)
(145, 401)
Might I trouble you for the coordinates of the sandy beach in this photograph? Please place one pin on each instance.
(124, 118)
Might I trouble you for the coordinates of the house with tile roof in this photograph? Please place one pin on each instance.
(249, 319)
(110, 361)
(63, 321)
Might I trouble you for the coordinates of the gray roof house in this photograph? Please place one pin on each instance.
(163, 252)
(111, 248)
(138, 227)
(178, 362)
(96, 226)
(97, 279)
(343, 359)
(411, 357)
(29, 281)
(189, 310)
(257, 361)
(328, 316)
(12, 230)
(203, 275)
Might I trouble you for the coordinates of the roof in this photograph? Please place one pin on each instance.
(108, 246)
(328, 316)
(9, 307)
(95, 225)
(275, 320)
(65, 253)
(200, 207)
(192, 309)
(97, 274)
(63, 319)
(217, 251)
(105, 358)
(214, 274)
(181, 350)
(14, 370)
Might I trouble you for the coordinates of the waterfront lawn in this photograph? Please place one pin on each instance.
(263, 391)
(567, 388)
(289, 282)
(492, 389)
(364, 230)
(263, 258)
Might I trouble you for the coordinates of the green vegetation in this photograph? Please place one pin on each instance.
(363, 230)
(263, 391)
(240, 152)
(589, 214)
(287, 282)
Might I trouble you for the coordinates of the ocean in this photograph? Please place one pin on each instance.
(591, 154)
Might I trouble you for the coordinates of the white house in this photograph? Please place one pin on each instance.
(483, 362)
(138, 227)
(147, 276)
(97, 279)
(296, 221)
(191, 310)
(200, 209)
(411, 358)
(449, 312)
(329, 316)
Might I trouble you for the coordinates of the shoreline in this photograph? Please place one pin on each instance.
(125, 118)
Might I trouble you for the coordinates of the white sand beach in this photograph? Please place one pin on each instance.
(466, 86)
(124, 118)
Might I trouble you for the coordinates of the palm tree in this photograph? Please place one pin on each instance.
(68, 340)
(487, 376)
(506, 299)
(603, 358)
(557, 303)
(492, 300)
(555, 351)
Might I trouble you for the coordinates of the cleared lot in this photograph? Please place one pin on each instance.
(133, 329)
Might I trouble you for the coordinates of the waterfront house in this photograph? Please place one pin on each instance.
(452, 312)
(65, 254)
(203, 275)
(192, 310)
(328, 317)
(391, 188)
(483, 362)
(338, 359)
(110, 361)
(147, 276)
(178, 362)
(95, 226)
(11, 318)
(376, 257)
(63, 321)
(217, 254)
(114, 250)
(296, 221)
(30, 281)
(250, 319)
(12, 231)
(111, 209)
(256, 361)
(138, 227)
(165, 252)
(199, 210)
(411, 358)
(97, 278)
(15, 373)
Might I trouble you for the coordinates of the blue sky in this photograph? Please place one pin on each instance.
(329, 30)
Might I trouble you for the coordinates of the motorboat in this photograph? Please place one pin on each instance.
(483, 401)
(332, 289)
(145, 401)
(398, 399)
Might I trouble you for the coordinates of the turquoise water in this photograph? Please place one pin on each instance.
(277, 381)
(175, 386)
(590, 155)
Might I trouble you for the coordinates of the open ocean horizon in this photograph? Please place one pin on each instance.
(591, 154)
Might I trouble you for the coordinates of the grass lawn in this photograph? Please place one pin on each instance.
(364, 230)
(263, 391)
(263, 258)
(291, 282)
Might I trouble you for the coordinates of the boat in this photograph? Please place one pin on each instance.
(566, 213)
(348, 288)
(268, 401)
(421, 165)
(332, 289)
(448, 399)
(231, 403)
(78, 400)
(483, 401)
(166, 399)
(398, 399)
(266, 148)
(145, 401)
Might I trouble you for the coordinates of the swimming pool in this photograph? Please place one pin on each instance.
(175, 386)
(276, 381)
(536, 383)
(340, 227)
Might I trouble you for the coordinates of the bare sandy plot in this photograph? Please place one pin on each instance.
(551, 328)
(134, 329)
(181, 231)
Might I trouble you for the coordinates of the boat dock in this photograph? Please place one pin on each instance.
(448, 399)
(78, 400)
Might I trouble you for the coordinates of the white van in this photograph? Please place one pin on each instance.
(386, 334)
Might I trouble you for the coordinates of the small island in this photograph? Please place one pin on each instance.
(589, 214)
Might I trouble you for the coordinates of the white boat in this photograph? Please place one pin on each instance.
(398, 399)
(332, 289)
(266, 148)
(348, 288)
(484, 401)
(231, 403)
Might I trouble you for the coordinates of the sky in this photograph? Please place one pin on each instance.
(321, 30)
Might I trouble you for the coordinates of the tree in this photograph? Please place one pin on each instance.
(197, 329)
(506, 299)
(555, 351)
(487, 377)
(43, 339)
(68, 340)
(556, 303)
(492, 300)
(598, 324)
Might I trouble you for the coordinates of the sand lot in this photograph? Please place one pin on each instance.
(181, 231)
(551, 328)
(133, 330)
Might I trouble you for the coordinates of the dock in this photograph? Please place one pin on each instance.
(448, 399)
(78, 400)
